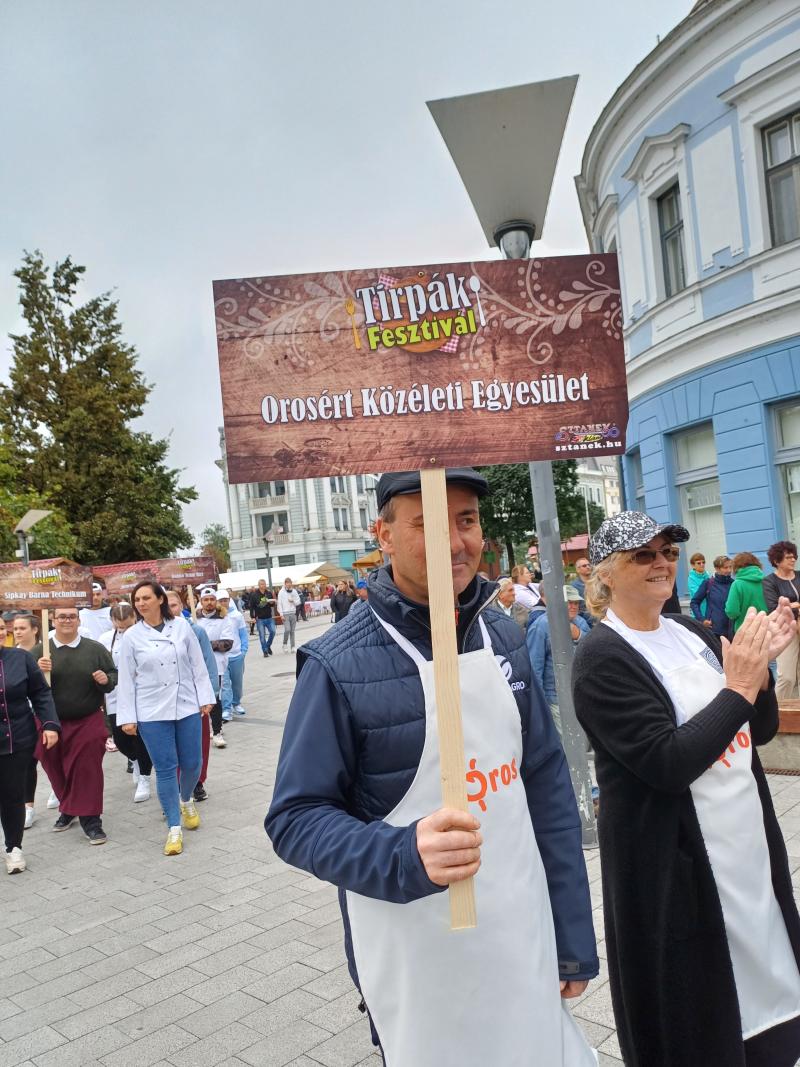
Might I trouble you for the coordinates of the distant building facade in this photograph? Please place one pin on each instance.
(692, 174)
(310, 520)
(598, 483)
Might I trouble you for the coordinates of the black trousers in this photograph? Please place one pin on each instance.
(216, 717)
(31, 780)
(13, 778)
(131, 746)
(777, 1047)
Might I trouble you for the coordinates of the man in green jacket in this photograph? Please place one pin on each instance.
(746, 590)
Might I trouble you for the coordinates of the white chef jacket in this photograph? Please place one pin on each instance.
(107, 641)
(220, 630)
(288, 601)
(94, 622)
(162, 674)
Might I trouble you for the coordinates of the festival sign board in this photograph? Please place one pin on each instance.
(415, 367)
(121, 579)
(39, 587)
(424, 368)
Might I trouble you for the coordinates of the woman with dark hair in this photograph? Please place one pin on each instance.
(131, 746)
(26, 636)
(702, 930)
(163, 688)
(24, 697)
(785, 581)
(747, 588)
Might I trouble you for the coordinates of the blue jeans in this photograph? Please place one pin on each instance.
(232, 683)
(175, 745)
(261, 626)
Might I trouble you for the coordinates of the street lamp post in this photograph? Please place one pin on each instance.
(28, 520)
(268, 539)
(523, 126)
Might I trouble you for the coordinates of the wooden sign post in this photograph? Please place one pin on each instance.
(445, 672)
(46, 639)
(471, 363)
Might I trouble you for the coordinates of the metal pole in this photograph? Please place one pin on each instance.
(573, 737)
(22, 537)
(586, 511)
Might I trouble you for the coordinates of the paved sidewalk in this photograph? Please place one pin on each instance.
(120, 956)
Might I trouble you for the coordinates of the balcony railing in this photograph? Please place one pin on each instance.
(258, 542)
(256, 503)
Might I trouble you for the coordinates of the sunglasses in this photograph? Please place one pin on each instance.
(645, 556)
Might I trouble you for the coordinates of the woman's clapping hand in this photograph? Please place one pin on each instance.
(745, 658)
(783, 627)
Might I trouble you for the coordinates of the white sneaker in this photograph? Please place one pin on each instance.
(30, 815)
(15, 861)
(142, 789)
(53, 801)
(218, 741)
(135, 771)
(239, 710)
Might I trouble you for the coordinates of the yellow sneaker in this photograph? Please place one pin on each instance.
(174, 845)
(189, 815)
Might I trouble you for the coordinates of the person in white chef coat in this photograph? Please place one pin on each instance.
(164, 689)
(702, 932)
(222, 635)
(96, 620)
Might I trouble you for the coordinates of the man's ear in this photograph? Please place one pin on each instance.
(383, 533)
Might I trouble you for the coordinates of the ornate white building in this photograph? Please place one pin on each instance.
(692, 174)
(307, 521)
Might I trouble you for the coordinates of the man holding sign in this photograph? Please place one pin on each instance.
(357, 802)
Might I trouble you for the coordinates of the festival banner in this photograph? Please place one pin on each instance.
(48, 585)
(409, 368)
(120, 579)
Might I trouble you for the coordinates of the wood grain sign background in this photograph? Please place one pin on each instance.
(413, 367)
(49, 585)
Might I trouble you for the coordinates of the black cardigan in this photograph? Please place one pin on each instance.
(23, 692)
(671, 977)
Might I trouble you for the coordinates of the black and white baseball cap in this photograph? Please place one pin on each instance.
(629, 530)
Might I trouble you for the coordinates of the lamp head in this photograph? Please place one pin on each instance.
(514, 238)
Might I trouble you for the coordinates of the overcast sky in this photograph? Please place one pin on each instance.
(166, 144)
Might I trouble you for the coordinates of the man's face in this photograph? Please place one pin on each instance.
(97, 598)
(506, 595)
(175, 605)
(262, 586)
(584, 568)
(66, 624)
(572, 608)
(288, 585)
(362, 594)
(403, 540)
(726, 567)
(208, 604)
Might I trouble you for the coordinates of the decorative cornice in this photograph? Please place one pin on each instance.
(651, 144)
(785, 65)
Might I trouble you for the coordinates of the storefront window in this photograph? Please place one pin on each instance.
(698, 488)
(787, 456)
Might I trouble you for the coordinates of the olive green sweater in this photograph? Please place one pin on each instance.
(75, 692)
(745, 592)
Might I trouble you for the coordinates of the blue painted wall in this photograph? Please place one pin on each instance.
(736, 396)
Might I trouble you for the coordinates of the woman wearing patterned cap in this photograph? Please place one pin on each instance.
(702, 932)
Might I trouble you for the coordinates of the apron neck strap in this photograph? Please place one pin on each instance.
(412, 652)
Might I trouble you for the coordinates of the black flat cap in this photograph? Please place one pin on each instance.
(404, 483)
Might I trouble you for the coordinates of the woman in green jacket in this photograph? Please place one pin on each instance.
(746, 589)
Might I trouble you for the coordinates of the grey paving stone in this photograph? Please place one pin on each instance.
(148, 1020)
(344, 1049)
(161, 988)
(283, 1046)
(36, 1043)
(225, 1042)
(42, 992)
(92, 1047)
(151, 1049)
(225, 959)
(208, 1021)
(331, 985)
(279, 1013)
(337, 1015)
(211, 990)
(88, 1019)
(50, 1014)
(270, 987)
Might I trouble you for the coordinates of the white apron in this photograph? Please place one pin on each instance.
(731, 820)
(491, 994)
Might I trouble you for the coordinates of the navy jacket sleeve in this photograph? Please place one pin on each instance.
(40, 696)
(557, 827)
(698, 598)
(308, 821)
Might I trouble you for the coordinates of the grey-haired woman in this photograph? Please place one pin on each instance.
(702, 932)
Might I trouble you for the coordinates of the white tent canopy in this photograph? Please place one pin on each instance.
(238, 580)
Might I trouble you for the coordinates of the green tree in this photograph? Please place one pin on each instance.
(74, 389)
(51, 537)
(215, 543)
(507, 515)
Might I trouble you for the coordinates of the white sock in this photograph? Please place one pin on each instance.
(174, 829)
